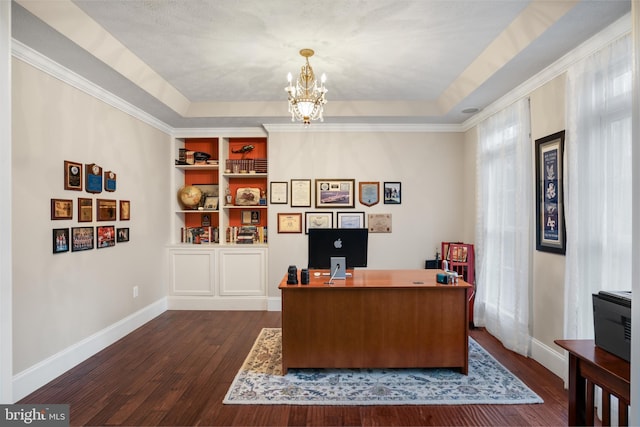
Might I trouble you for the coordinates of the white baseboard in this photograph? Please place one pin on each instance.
(549, 358)
(274, 304)
(36, 376)
(216, 303)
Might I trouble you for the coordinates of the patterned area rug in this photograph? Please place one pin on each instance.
(260, 381)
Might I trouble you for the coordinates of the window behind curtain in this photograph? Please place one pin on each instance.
(504, 218)
(598, 191)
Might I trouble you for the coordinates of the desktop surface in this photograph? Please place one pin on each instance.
(367, 278)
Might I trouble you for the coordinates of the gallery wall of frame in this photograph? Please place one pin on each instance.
(103, 207)
(333, 198)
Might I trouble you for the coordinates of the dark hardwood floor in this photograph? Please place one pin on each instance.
(176, 369)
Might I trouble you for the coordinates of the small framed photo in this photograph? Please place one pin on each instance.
(211, 203)
(350, 219)
(289, 223)
(61, 209)
(85, 209)
(392, 193)
(250, 217)
(210, 195)
(106, 210)
(317, 220)
(278, 193)
(82, 239)
(106, 236)
(301, 193)
(60, 240)
(122, 235)
(369, 193)
(335, 193)
(72, 176)
(125, 210)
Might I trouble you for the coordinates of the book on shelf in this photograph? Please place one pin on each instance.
(199, 235)
(247, 234)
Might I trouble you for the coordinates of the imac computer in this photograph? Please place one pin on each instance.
(349, 244)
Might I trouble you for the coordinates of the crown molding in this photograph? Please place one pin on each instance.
(618, 29)
(362, 127)
(47, 65)
(254, 132)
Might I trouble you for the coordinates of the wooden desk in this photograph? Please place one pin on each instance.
(590, 365)
(375, 319)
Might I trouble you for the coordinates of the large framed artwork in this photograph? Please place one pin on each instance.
(550, 224)
(335, 193)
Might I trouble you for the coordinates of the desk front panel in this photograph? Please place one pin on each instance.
(395, 326)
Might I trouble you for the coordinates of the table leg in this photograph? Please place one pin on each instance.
(576, 393)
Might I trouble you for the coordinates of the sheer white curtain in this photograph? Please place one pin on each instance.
(598, 182)
(503, 237)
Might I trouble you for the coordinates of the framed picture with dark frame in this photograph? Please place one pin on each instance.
(72, 176)
(317, 220)
(392, 193)
(82, 238)
(60, 240)
(106, 236)
(301, 193)
(122, 235)
(350, 219)
(85, 209)
(278, 192)
(335, 193)
(106, 210)
(550, 223)
(61, 209)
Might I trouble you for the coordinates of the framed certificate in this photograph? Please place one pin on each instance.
(289, 223)
(318, 220)
(278, 192)
(301, 193)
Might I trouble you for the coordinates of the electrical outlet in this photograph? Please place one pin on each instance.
(135, 292)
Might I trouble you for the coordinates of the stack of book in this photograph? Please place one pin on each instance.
(247, 234)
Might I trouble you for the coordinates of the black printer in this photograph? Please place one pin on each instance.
(612, 322)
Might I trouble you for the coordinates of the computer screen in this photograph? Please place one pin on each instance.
(350, 243)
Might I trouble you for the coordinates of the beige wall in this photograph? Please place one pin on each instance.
(61, 299)
(429, 166)
(547, 117)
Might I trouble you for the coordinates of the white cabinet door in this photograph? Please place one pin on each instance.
(243, 272)
(193, 272)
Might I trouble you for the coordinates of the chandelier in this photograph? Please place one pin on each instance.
(306, 98)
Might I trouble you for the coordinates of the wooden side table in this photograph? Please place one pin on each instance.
(590, 365)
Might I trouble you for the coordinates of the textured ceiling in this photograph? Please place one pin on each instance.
(198, 63)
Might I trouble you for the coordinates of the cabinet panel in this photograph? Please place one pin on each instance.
(243, 272)
(192, 273)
